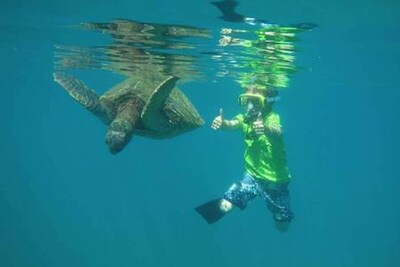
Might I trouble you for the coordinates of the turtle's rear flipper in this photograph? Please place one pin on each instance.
(84, 96)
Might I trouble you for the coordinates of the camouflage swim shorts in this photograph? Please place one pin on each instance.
(276, 195)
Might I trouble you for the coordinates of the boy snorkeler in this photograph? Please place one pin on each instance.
(266, 172)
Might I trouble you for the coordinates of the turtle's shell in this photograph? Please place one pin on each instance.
(140, 83)
(176, 115)
(131, 88)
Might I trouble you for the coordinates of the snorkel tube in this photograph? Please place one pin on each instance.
(251, 112)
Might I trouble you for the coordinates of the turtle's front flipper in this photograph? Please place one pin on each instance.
(120, 131)
(84, 96)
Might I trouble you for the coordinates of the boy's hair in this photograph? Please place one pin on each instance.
(271, 93)
(267, 93)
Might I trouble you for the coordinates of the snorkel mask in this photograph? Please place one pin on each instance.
(253, 104)
(257, 101)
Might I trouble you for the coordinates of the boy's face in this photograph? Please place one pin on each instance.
(252, 103)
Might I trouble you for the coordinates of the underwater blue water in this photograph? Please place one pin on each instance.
(66, 201)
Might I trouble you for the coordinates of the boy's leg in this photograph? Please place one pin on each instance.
(237, 195)
(278, 202)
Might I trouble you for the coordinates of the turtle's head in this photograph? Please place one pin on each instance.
(117, 138)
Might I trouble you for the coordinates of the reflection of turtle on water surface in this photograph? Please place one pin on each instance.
(148, 105)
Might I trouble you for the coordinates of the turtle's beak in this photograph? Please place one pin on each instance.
(116, 141)
(116, 138)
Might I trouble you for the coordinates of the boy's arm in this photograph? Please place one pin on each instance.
(219, 123)
(273, 125)
(230, 125)
(273, 129)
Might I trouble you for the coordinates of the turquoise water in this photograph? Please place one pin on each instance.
(66, 201)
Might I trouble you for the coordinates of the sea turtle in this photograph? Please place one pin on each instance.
(147, 105)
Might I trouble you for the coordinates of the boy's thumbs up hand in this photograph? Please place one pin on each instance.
(258, 125)
(217, 122)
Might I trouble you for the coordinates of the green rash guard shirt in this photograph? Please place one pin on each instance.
(265, 156)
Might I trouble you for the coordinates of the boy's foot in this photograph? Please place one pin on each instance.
(214, 210)
(225, 205)
(282, 226)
